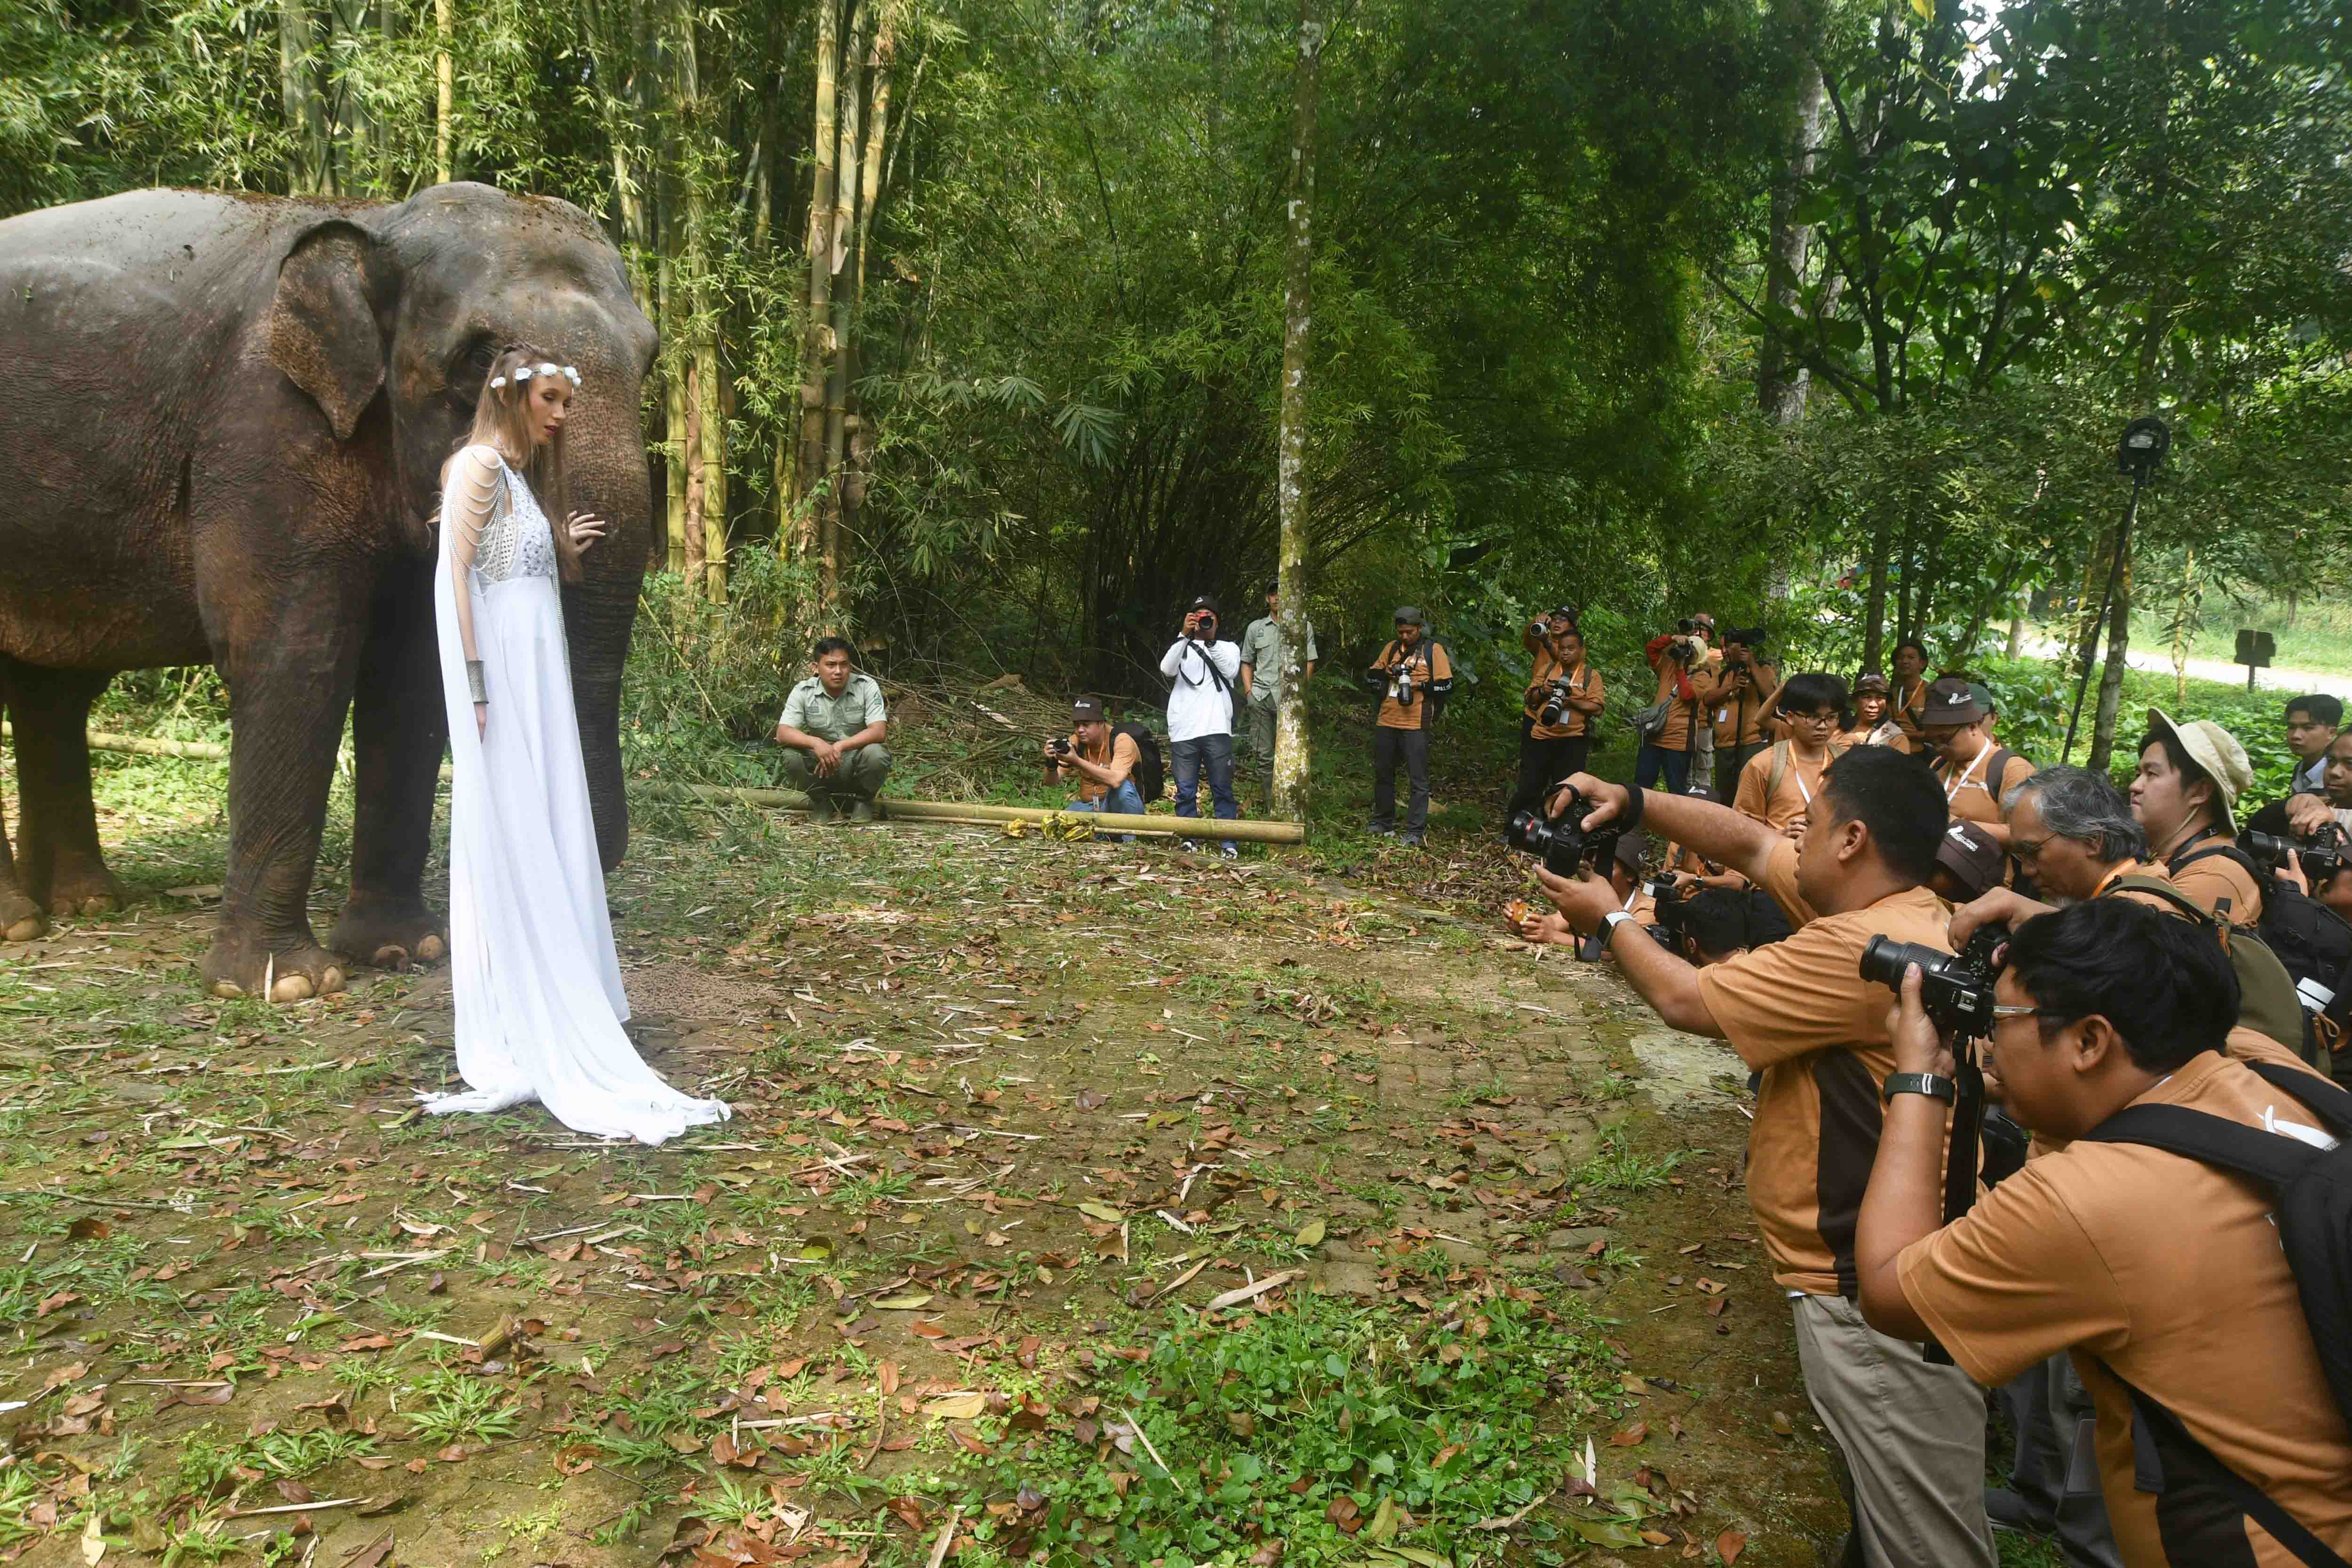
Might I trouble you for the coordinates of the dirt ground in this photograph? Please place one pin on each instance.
(1018, 1126)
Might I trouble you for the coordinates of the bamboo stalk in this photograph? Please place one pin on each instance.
(980, 812)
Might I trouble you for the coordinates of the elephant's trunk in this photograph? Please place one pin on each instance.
(599, 615)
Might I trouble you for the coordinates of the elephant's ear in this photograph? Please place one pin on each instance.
(323, 321)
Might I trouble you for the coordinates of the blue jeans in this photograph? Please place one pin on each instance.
(1651, 759)
(1125, 800)
(1188, 757)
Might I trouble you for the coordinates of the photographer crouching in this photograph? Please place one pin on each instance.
(1100, 762)
(1799, 1012)
(2139, 1245)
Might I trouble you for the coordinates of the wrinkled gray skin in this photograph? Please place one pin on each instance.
(222, 424)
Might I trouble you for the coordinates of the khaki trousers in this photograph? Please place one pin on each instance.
(1912, 1437)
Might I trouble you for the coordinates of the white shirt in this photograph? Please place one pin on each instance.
(1198, 704)
(2307, 778)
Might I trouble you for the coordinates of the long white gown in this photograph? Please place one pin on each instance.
(535, 979)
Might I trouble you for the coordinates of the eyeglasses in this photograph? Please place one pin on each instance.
(2027, 848)
(2019, 1010)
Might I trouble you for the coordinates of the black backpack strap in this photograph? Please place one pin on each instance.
(2154, 1428)
(2211, 1140)
(2328, 1100)
(2188, 855)
(2187, 908)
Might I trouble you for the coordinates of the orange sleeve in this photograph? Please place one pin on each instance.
(1748, 798)
(2014, 1281)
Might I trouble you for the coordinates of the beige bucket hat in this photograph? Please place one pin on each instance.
(2216, 751)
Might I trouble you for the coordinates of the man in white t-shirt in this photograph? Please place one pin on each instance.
(1201, 714)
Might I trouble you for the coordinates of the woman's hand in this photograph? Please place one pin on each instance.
(481, 720)
(586, 529)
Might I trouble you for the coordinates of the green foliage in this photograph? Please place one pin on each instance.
(1453, 1418)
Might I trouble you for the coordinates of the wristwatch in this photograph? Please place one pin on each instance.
(1933, 1085)
(1610, 922)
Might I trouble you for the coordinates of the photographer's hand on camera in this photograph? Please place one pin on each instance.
(2308, 814)
(2002, 906)
(1918, 1044)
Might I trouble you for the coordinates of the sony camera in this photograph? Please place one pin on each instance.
(1561, 841)
(2323, 856)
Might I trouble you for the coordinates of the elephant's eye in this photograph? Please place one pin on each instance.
(468, 366)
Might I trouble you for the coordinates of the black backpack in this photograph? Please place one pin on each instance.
(2315, 1231)
(2313, 941)
(1149, 778)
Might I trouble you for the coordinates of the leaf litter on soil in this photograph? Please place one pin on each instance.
(1086, 1200)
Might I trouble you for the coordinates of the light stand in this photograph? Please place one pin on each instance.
(2146, 441)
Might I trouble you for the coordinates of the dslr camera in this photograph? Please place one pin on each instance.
(1398, 683)
(1955, 988)
(1561, 841)
(1203, 625)
(1554, 708)
(2322, 855)
(1059, 745)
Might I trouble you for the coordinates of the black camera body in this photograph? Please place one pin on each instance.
(1561, 841)
(1204, 629)
(1059, 745)
(2323, 856)
(1953, 988)
(1554, 708)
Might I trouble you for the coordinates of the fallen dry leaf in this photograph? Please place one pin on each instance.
(1729, 1545)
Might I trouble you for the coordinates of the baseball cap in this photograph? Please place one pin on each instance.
(1086, 711)
(1273, 585)
(1952, 700)
(2216, 751)
(1873, 681)
(1632, 852)
(1703, 618)
(1203, 603)
(1968, 853)
(1408, 615)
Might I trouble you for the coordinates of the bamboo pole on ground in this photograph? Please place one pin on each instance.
(978, 811)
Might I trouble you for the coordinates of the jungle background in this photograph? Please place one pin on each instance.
(1816, 313)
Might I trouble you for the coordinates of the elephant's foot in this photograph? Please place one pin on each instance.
(80, 887)
(240, 966)
(388, 933)
(21, 920)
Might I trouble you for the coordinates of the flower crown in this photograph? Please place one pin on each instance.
(523, 373)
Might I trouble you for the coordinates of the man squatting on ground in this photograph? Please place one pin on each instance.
(832, 728)
(1799, 1013)
(1100, 762)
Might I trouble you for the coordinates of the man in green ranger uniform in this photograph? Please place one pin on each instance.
(1262, 678)
(833, 727)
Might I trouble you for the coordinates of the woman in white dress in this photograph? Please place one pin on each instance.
(536, 981)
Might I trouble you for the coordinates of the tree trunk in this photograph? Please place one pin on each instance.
(693, 494)
(706, 437)
(2111, 678)
(1874, 613)
(877, 126)
(312, 172)
(817, 325)
(1781, 383)
(836, 502)
(674, 407)
(444, 95)
(2017, 624)
(1288, 791)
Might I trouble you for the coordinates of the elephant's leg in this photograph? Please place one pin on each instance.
(399, 729)
(58, 858)
(289, 664)
(21, 920)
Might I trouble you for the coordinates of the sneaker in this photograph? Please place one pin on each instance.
(1380, 829)
(2009, 1512)
(863, 811)
(1232, 851)
(822, 809)
(1410, 839)
(1189, 845)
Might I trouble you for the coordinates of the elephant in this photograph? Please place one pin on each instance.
(222, 418)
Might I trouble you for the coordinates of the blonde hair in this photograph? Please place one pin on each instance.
(502, 419)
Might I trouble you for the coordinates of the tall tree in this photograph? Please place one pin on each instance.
(1291, 755)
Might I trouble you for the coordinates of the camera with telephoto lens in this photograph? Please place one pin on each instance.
(1554, 708)
(2323, 856)
(1666, 898)
(1402, 688)
(1560, 841)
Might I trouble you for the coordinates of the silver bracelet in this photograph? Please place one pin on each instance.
(474, 684)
